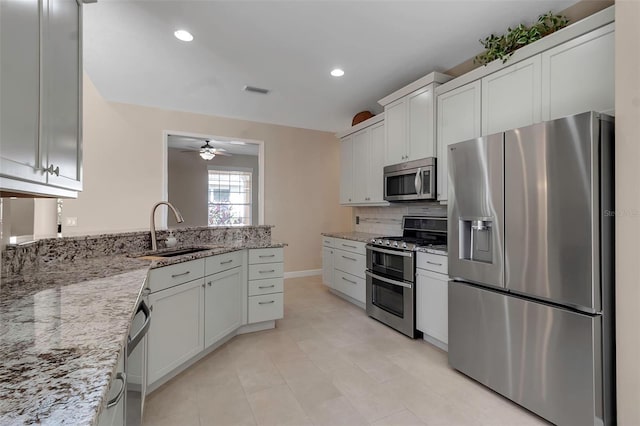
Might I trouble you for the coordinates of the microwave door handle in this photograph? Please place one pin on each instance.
(418, 181)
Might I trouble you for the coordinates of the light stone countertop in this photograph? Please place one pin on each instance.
(362, 237)
(63, 326)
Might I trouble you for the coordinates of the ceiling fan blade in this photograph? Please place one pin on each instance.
(224, 154)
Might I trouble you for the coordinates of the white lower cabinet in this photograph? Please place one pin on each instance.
(177, 324)
(267, 307)
(222, 305)
(343, 266)
(266, 282)
(327, 266)
(432, 298)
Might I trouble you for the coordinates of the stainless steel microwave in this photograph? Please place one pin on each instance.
(410, 181)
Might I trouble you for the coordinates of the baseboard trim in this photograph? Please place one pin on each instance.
(307, 273)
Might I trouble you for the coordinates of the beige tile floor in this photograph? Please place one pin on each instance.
(327, 363)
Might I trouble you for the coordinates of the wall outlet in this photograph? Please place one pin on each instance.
(357, 220)
(70, 221)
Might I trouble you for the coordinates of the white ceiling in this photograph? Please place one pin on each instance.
(194, 144)
(289, 47)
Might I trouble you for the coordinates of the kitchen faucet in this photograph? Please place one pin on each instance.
(179, 219)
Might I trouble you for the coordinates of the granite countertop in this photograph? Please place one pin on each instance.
(440, 251)
(362, 237)
(63, 327)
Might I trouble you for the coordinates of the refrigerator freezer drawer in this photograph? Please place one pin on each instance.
(544, 358)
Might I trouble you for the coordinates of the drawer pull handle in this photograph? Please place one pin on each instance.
(267, 286)
(266, 255)
(226, 261)
(349, 281)
(434, 263)
(179, 275)
(347, 245)
(267, 272)
(349, 258)
(266, 303)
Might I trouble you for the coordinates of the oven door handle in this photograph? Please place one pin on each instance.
(387, 280)
(391, 252)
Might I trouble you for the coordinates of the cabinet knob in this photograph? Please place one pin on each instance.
(209, 283)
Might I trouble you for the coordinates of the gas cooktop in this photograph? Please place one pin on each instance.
(418, 231)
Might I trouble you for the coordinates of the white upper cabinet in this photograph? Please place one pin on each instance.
(376, 149)
(578, 76)
(362, 159)
(40, 111)
(62, 108)
(567, 72)
(361, 165)
(421, 128)
(395, 117)
(409, 120)
(459, 113)
(346, 170)
(20, 90)
(511, 97)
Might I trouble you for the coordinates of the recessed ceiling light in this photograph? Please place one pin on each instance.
(337, 72)
(183, 35)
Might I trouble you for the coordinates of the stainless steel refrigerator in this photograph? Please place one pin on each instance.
(531, 265)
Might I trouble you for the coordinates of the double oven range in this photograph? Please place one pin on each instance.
(391, 271)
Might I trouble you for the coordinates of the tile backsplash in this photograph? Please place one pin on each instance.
(387, 221)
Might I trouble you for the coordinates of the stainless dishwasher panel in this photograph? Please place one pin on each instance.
(540, 356)
(137, 364)
(476, 210)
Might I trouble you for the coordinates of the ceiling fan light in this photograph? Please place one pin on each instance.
(206, 154)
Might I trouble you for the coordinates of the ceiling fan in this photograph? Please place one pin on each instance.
(207, 152)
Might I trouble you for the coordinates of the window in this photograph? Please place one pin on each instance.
(230, 197)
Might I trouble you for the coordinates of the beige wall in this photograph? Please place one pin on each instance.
(123, 169)
(628, 210)
(188, 177)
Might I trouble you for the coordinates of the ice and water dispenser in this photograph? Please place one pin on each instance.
(476, 239)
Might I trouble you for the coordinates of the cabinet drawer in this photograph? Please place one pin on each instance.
(432, 262)
(223, 262)
(348, 262)
(266, 307)
(266, 270)
(328, 242)
(267, 255)
(352, 286)
(351, 246)
(268, 286)
(169, 276)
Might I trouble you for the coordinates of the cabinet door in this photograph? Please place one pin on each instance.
(395, 118)
(361, 162)
(20, 90)
(420, 140)
(177, 323)
(511, 97)
(578, 76)
(61, 81)
(327, 266)
(222, 305)
(375, 182)
(458, 120)
(346, 170)
(431, 305)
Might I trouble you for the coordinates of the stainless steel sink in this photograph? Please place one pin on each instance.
(179, 252)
